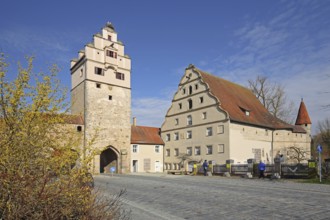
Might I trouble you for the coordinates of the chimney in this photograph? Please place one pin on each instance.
(134, 121)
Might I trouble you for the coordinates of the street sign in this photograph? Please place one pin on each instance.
(319, 149)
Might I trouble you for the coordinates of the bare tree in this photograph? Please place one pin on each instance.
(298, 154)
(272, 96)
(324, 133)
(38, 149)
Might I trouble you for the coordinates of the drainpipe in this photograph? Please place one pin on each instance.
(272, 148)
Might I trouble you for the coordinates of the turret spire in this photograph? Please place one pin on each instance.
(303, 117)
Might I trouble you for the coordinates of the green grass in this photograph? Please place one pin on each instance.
(314, 180)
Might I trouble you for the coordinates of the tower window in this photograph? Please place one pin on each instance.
(99, 71)
(79, 128)
(111, 54)
(110, 97)
(201, 99)
(190, 90)
(120, 76)
(98, 85)
(109, 37)
(183, 91)
(180, 105)
(196, 86)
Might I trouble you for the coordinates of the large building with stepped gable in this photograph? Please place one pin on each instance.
(216, 120)
(209, 119)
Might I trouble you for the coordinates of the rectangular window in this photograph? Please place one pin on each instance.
(111, 54)
(180, 105)
(221, 148)
(120, 76)
(176, 136)
(176, 121)
(189, 120)
(157, 149)
(189, 151)
(109, 37)
(176, 152)
(189, 134)
(168, 137)
(168, 153)
(196, 86)
(135, 148)
(220, 129)
(98, 85)
(201, 99)
(209, 149)
(198, 150)
(209, 131)
(204, 115)
(184, 91)
(99, 71)
(110, 97)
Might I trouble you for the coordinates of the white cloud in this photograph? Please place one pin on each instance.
(291, 48)
(150, 111)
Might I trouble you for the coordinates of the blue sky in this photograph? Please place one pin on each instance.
(288, 41)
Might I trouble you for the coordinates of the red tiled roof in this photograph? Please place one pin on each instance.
(236, 100)
(303, 117)
(73, 119)
(145, 135)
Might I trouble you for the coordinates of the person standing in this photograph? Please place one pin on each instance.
(205, 166)
(262, 168)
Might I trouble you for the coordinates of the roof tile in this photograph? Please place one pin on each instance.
(236, 100)
(145, 135)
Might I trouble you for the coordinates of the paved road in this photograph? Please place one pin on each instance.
(178, 197)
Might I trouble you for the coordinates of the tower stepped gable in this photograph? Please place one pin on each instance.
(303, 117)
(101, 93)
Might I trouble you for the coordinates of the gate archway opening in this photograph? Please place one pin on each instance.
(108, 161)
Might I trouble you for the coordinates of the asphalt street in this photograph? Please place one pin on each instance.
(160, 196)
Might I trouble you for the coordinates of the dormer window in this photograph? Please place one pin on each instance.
(245, 110)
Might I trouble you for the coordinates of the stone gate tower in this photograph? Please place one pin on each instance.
(101, 93)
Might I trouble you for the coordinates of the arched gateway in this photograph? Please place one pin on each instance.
(109, 159)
